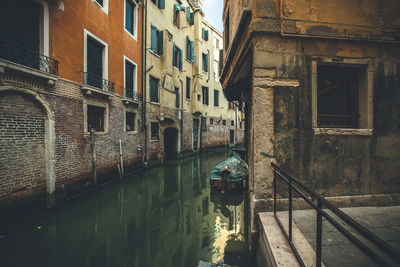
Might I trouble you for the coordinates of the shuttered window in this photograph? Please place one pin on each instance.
(187, 88)
(189, 50)
(205, 95)
(177, 57)
(205, 62)
(216, 98)
(159, 3)
(156, 41)
(154, 90)
(130, 20)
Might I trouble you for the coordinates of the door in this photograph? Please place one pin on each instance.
(94, 63)
(195, 134)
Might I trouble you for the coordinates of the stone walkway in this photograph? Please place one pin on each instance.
(336, 249)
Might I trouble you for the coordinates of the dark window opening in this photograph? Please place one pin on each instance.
(216, 98)
(100, 2)
(187, 88)
(129, 79)
(177, 57)
(211, 121)
(130, 118)
(154, 89)
(176, 97)
(154, 128)
(159, 3)
(205, 62)
(204, 34)
(130, 16)
(94, 63)
(95, 118)
(232, 123)
(337, 97)
(223, 122)
(205, 95)
(203, 122)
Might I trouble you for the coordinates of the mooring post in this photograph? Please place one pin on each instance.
(93, 147)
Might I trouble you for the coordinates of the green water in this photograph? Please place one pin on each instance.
(161, 217)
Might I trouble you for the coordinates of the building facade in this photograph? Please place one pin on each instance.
(185, 108)
(321, 86)
(70, 86)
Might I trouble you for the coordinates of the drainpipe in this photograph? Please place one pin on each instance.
(208, 63)
(144, 88)
(181, 115)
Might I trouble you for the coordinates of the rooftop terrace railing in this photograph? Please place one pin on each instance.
(319, 203)
(23, 56)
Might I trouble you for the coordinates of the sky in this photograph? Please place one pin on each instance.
(213, 13)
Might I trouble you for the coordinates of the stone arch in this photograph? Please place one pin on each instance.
(49, 137)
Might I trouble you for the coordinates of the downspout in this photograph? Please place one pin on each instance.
(208, 63)
(181, 116)
(144, 73)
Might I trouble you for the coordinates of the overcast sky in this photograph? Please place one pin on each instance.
(213, 13)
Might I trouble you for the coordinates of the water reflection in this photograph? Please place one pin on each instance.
(163, 217)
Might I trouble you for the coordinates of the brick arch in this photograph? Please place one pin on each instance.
(49, 136)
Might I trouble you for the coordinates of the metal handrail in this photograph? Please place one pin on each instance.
(96, 81)
(321, 203)
(132, 94)
(29, 58)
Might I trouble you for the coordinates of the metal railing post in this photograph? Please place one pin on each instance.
(319, 232)
(290, 208)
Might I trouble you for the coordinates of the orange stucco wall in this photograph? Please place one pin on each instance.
(68, 19)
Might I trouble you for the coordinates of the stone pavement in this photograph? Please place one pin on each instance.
(336, 249)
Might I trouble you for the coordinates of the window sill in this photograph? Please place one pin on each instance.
(154, 53)
(86, 134)
(155, 103)
(131, 34)
(342, 131)
(130, 132)
(153, 140)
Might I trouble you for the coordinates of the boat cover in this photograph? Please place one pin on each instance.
(237, 165)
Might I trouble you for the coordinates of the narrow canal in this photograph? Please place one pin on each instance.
(164, 216)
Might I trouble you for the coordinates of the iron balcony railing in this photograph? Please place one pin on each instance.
(319, 203)
(21, 55)
(132, 94)
(96, 81)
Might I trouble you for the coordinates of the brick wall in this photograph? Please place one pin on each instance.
(22, 146)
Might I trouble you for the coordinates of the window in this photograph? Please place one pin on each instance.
(217, 43)
(130, 78)
(216, 69)
(223, 122)
(156, 40)
(177, 10)
(342, 95)
(95, 118)
(203, 122)
(131, 17)
(226, 31)
(130, 118)
(159, 3)
(232, 123)
(103, 4)
(154, 131)
(240, 124)
(204, 34)
(176, 97)
(337, 97)
(96, 62)
(154, 89)
(231, 105)
(189, 16)
(177, 57)
(187, 88)
(205, 95)
(216, 98)
(189, 50)
(205, 62)
(211, 121)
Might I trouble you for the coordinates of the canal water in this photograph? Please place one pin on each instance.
(164, 216)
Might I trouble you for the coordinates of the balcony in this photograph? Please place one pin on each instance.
(131, 96)
(93, 83)
(13, 56)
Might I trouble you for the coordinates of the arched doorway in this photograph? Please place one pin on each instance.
(171, 143)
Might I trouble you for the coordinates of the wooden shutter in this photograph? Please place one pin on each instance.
(188, 14)
(161, 4)
(180, 58)
(153, 45)
(160, 42)
(192, 58)
(173, 55)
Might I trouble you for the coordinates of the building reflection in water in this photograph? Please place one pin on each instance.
(160, 217)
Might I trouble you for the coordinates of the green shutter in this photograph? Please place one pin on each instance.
(216, 98)
(206, 63)
(206, 35)
(173, 55)
(187, 87)
(192, 52)
(206, 95)
(180, 58)
(191, 22)
(153, 44)
(187, 47)
(161, 4)
(188, 13)
(177, 97)
(160, 42)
